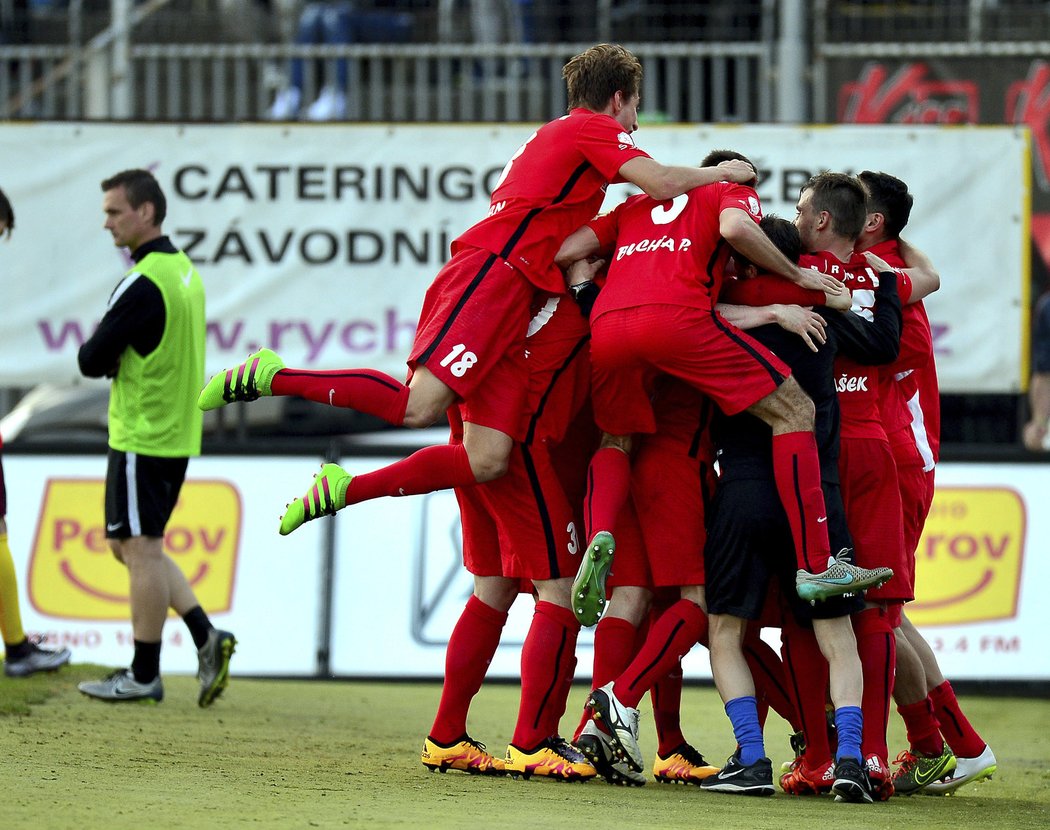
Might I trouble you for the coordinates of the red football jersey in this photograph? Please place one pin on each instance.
(671, 252)
(857, 385)
(551, 186)
(914, 373)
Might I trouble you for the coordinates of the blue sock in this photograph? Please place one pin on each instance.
(743, 713)
(849, 724)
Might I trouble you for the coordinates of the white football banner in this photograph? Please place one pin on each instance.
(320, 240)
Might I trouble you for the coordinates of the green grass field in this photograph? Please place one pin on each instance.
(287, 754)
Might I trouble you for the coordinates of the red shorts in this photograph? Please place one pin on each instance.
(916, 486)
(872, 499)
(558, 361)
(631, 347)
(520, 525)
(471, 336)
(481, 548)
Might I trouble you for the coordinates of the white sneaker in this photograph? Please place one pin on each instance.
(122, 685)
(37, 659)
(601, 752)
(329, 106)
(286, 105)
(966, 770)
(622, 723)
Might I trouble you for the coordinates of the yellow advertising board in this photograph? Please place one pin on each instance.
(968, 565)
(73, 574)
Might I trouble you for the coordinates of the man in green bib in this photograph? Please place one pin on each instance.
(151, 343)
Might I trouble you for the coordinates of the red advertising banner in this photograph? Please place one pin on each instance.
(965, 90)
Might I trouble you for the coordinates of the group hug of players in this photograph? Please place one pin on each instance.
(604, 364)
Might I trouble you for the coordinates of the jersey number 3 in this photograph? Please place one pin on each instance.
(666, 215)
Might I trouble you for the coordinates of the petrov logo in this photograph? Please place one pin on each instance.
(73, 574)
(968, 565)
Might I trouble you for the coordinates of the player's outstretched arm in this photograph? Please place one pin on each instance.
(662, 181)
(746, 237)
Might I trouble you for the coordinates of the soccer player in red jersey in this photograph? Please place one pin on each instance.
(520, 530)
(910, 405)
(830, 215)
(660, 537)
(656, 316)
(747, 533)
(469, 345)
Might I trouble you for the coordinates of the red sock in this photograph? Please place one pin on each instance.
(608, 483)
(364, 390)
(440, 467)
(807, 673)
(614, 646)
(771, 687)
(567, 671)
(666, 695)
(470, 650)
(956, 729)
(552, 634)
(797, 472)
(877, 649)
(670, 638)
(924, 733)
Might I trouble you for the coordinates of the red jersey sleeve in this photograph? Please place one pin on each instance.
(606, 145)
(904, 286)
(916, 340)
(740, 196)
(606, 226)
(768, 289)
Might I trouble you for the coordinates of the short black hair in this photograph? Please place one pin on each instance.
(784, 236)
(7, 213)
(889, 196)
(716, 157)
(844, 198)
(140, 186)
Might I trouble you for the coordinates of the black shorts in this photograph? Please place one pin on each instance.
(3, 490)
(749, 543)
(141, 492)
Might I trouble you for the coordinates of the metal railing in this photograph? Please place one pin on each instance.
(421, 83)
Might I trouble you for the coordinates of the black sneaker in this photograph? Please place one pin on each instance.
(734, 777)
(851, 782)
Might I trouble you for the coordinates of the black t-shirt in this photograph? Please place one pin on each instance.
(135, 317)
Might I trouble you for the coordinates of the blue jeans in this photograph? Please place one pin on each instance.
(333, 23)
(323, 23)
